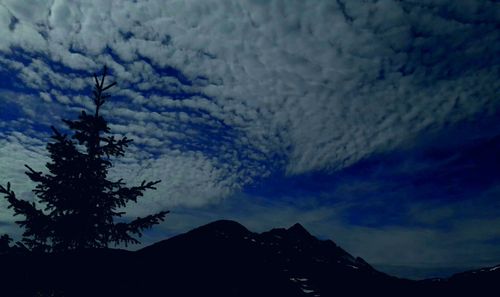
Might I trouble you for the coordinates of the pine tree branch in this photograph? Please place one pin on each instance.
(36, 223)
(140, 224)
(126, 194)
(20, 207)
(114, 147)
(35, 176)
(123, 231)
(109, 86)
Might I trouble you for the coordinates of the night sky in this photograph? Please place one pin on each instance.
(373, 123)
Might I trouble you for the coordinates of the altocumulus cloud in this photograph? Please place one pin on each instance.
(220, 94)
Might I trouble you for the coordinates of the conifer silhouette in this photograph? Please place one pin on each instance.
(5, 241)
(80, 202)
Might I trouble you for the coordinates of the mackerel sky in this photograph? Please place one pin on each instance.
(373, 123)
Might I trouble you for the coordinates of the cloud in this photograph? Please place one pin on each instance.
(188, 180)
(322, 85)
(219, 95)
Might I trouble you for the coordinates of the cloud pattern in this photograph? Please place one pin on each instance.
(311, 87)
(220, 95)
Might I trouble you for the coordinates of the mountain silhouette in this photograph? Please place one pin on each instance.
(222, 258)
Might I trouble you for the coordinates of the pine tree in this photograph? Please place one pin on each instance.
(80, 202)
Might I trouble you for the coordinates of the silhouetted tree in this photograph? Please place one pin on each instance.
(81, 203)
(5, 241)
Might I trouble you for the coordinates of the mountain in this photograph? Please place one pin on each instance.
(222, 258)
(229, 258)
(477, 282)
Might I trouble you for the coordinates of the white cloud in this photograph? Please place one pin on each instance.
(297, 86)
(187, 180)
(46, 97)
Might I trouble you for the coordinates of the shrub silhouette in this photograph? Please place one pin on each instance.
(80, 202)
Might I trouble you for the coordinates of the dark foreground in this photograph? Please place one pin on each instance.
(224, 259)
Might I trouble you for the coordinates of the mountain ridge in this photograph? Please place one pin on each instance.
(224, 258)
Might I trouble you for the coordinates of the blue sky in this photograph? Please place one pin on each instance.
(375, 124)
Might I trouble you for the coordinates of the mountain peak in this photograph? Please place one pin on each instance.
(226, 226)
(299, 230)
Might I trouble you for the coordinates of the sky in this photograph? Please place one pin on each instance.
(372, 123)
